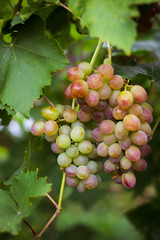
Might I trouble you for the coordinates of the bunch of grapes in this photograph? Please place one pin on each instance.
(109, 127)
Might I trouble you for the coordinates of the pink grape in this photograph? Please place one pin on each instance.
(51, 138)
(68, 93)
(133, 153)
(145, 150)
(125, 100)
(131, 122)
(116, 82)
(128, 180)
(139, 138)
(102, 150)
(82, 172)
(37, 128)
(80, 187)
(118, 179)
(147, 106)
(109, 139)
(139, 94)
(109, 112)
(135, 109)
(116, 159)
(85, 67)
(106, 71)
(95, 81)
(93, 154)
(56, 149)
(50, 128)
(113, 98)
(71, 182)
(84, 116)
(118, 113)
(114, 150)
(98, 116)
(71, 171)
(125, 163)
(92, 98)
(106, 126)
(145, 127)
(120, 131)
(86, 108)
(101, 105)
(79, 89)
(91, 182)
(146, 116)
(104, 92)
(70, 115)
(110, 167)
(74, 74)
(140, 165)
(97, 135)
(125, 143)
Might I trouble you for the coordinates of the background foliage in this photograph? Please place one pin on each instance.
(37, 38)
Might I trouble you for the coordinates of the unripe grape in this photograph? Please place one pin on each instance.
(92, 98)
(85, 147)
(80, 160)
(113, 98)
(125, 163)
(131, 122)
(63, 141)
(91, 182)
(114, 150)
(77, 134)
(64, 160)
(116, 82)
(128, 180)
(68, 93)
(82, 172)
(84, 116)
(139, 94)
(98, 116)
(93, 166)
(146, 116)
(85, 67)
(107, 61)
(95, 81)
(118, 113)
(145, 150)
(65, 129)
(102, 150)
(125, 100)
(109, 139)
(89, 136)
(139, 138)
(71, 171)
(93, 154)
(51, 138)
(109, 112)
(125, 143)
(110, 167)
(79, 89)
(72, 151)
(74, 74)
(60, 109)
(50, 113)
(37, 128)
(135, 109)
(70, 115)
(72, 182)
(140, 165)
(120, 131)
(50, 128)
(133, 153)
(106, 126)
(101, 105)
(97, 135)
(106, 71)
(80, 187)
(145, 127)
(104, 92)
(56, 149)
(77, 123)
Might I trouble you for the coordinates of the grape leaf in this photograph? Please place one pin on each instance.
(16, 204)
(26, 64)
(109, 20)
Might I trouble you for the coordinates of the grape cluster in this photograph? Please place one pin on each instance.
(109, 128)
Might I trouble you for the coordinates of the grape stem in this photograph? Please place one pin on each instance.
(73, 103)
(150, 91)
(58, 206)
(109, 52)
(155, 126)
(92, 62)
(48, 101)
(10, 5)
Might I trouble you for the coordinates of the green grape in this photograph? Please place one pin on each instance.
(65, 129)
(80, 160)
(85, 147)
(72, 151)
(77, 134)
(63, 141)
(64, 160)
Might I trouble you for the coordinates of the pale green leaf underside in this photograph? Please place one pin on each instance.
(16, 205)
(109, 20)
(26, 65)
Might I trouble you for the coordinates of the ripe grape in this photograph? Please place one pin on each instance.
(37, 128)
(102, 150)
(68, 93)
(80, 187)
(50, 113)
(74, 74)
(77, 123)
(125, 163)
(125, 100)
(56, 149)
(97, 135)
(104, 92)
(114, 150)
(139, 138)
(84, 116)
(98, 116)
(125, 143)
(50, 128)
(91, 182)
(82, 172)
(135, 109)
(65, 129)
(92, 98)
(85, 67)
(116, 82)
(72, 182)
(109, 139)
(72, 151)
(128, 180)
(106, 71)
(140, 165)
(71, 170)
(79, 89)
(120, 131)
(51, 138)
(110, 167)
(139, 94)
(133, 153)
(93, 166)
(95, 81)
(113, 98)
(131, 122)
(118, 113)
(70, 115)
(106, 126)
(80, 160)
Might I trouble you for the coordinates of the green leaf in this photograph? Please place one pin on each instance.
(109, 20)
(26, 64)
(16, 205)
(5, 118)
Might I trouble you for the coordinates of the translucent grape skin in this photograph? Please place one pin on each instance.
(101, 105)
(92, 98)
(50, 128)
(85, 67)
(125, 100)
(91, 182)
(139, 94)
(116, 159)
(79, 89)
(51, 138)
(80, 160)
(64, 160)
(128, 180)
(82, 172)
(146, 116)
(71, 171)
(140, 165)
(116, 82)
(70, 115)
(77, 134)
(135, 109)
(37, 128)
(102, 150)
(84, 116)
(106, 126)
(77, 123)
(145, 127)
(118, 113)
(133, 153)
(110, 167)
(113, 98)
(50, 113)
(106, 71)
(74, 74)
(85, 147)
(95, 81)
(63, 141)
(131, 122)
(139, 138)
(93, 154)
(125, 163)
(109, 112)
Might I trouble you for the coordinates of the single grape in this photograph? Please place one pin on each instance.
(80, 187)
(37, 128)
(84, 116)
(110, 167)
(82, 172)
(51, 138)
(135, 109)
(118, 113)
(56, 149)
(145, 127)
(85, 147)
(72, 182)
(71, 171)
(70, 115)
(146, 116)
(64, 160)
(125, 163)
(85, 67)
(93, 166)
(91, 182)
(120, 131)
(128, 180)
(92, 98)
(72, 151)
(109, 139)
(139, 94)
(125, 143)
(102, 150)
(98, 116)
(68, 93)
(95, 81)
(65, 129)
(60, 109)
(77, 134)
(139, 138)
(97, 135)
(113, 98)
(50, 113)
(114, 150)
(140, 165)
(74, 74)
(77, 123)
(79, 89)
(50, 128)
(118, 179)
(106, 126)
(131, 122)
(63, 141)
(116, 159)
(80, 160)
(104, 92)
(86, 108)
(147, 106)
(89, 136)
(93, 154)
(125, 100)
(133, 153)
(145, 150)
(107, 61)
(116, 82)
(101, 105)
(109, 113)
(106, 71)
